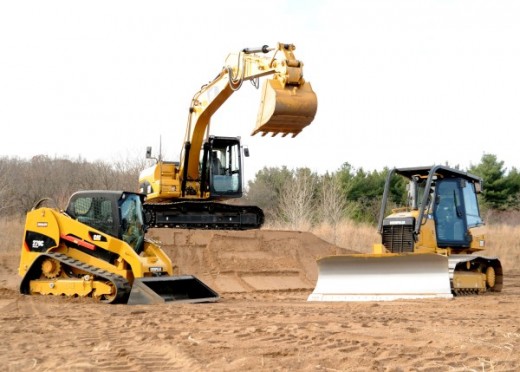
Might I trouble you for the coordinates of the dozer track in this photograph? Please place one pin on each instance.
(472, 275)
(120, 285)
(203, 215)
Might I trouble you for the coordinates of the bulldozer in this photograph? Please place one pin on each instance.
(97, 248)
(196, 191)
(431, 248)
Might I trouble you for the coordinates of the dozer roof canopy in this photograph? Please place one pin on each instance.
(444, 171)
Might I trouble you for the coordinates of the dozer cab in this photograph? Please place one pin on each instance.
(428, 249)
(97, 248)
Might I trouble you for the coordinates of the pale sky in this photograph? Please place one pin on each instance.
(399, 83)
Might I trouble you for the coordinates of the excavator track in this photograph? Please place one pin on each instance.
(203, 215)
(121, 285)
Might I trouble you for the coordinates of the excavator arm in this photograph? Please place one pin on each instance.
(288, 102)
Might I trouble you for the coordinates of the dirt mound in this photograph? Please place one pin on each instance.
(246, 261)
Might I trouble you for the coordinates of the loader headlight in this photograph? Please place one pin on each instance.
(155, 269)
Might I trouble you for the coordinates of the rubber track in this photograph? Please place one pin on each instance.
(121, 285)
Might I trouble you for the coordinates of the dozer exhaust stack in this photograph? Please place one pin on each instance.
(285, 109)
(181, 288)
(362, 277)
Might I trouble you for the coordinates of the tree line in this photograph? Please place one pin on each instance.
(24, 182)
(301, 197)
(295, 198)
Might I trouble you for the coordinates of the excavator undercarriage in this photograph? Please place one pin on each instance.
(204, 215)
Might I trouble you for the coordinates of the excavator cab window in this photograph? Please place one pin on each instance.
(225, 168)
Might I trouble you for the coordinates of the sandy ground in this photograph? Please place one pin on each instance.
(262, 322)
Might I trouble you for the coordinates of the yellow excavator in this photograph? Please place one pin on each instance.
(429, 249)
(193, 192)
(97, 248)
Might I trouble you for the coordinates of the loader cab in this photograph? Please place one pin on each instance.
(222, 160)
(115, 213)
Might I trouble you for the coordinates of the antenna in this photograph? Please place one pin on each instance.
(160, 147)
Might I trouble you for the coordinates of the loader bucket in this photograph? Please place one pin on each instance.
(162, 289)
(285, 110)
(386, 277)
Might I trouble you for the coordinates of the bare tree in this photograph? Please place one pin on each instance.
(297, 200)
(7, 197)
(333, 203)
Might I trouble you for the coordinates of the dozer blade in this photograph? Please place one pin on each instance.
(370, 277)
(182, 288)
(285, 110)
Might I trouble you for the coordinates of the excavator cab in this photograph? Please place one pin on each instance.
(224, 167)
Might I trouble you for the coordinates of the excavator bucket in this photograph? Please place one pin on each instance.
(285, 110)
(386, 277)
(181, 288)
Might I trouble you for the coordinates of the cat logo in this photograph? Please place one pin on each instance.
(96, 237)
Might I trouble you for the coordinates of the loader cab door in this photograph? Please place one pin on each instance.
(455, 209)
(132, 221)
(225, 168)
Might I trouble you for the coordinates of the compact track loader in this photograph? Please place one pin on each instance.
(97, 248)
(429, 249)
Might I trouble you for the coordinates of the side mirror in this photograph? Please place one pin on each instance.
(149, 152)
(246, 151)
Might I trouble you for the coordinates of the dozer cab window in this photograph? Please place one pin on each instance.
(450, 214)
(471, 204)
(225, 169)
(132, 224)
